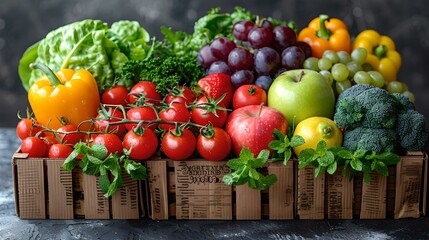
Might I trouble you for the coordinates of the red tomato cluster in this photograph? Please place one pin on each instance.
(141, 123)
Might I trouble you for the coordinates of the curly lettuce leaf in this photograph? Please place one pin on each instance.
(88, 44)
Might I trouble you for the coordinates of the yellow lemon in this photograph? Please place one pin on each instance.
(315, 129)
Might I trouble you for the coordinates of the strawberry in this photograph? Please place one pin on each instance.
(217, 84)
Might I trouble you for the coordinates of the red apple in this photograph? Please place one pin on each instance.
(253, 126)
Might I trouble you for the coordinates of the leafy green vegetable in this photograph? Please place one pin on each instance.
(283, 146)
(88, 44)
(245, 170)
(166, 72)
(208, 27)
(326, 159)
(95, 161)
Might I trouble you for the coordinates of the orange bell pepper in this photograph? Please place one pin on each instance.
(64, 97)
(325, 33)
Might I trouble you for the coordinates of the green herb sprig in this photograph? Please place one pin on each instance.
(327, 159)
(245, 170)
(96, 161)
(283, 146)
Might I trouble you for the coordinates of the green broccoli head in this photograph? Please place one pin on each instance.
(411, 130)
(367, 106)
(372, 139)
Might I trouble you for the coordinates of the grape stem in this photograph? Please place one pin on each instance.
(323, 32)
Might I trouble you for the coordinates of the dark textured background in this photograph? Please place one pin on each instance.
(23, 22)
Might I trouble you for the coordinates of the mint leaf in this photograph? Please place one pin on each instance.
(70, 162)
(135, 170)
(356, 164)
(288, 155)
(235, 163)
(246, 154)
(99, 151)
(326, 159)
(104, 183)
(345, 154)
(95, 160)
(245, 169)
(296, 141)
(267, 181)
(332, 168)
(276, 145)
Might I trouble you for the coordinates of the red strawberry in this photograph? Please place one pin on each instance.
(217, 84)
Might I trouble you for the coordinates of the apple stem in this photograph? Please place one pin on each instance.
(300, 76)
(260, 109)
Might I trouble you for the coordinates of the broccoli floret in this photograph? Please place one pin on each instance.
(372, 139)
(366, 105)
(404, 101)
(348, 114)
(411, 130)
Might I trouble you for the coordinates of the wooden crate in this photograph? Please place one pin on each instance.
(193, 189)
(44, 190)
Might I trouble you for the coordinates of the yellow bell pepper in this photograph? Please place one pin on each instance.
(382, 54)
(65, 97)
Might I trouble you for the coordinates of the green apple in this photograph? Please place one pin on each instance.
(300, 94)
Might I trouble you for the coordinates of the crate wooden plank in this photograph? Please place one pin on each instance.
(95, 204)
(200, 192)
(60, 190)
(281, 193)
(157, 179)
(409, 172)
(311, 194)
(373, 205)
(339, 196)
(125, 201)
(31, 189)
(248, 203)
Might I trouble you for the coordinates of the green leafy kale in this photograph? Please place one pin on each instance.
(210, 26)
(166, 72)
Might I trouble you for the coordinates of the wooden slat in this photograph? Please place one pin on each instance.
(248, 203)
(31, 189)
(60, 190)
(157, 178)
(95, 204)
(311, 194)
(374, 198)
(281, 197)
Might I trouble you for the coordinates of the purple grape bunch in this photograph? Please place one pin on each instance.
(258, 53)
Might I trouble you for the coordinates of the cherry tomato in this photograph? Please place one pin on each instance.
(50, 139)
(249, 94)
(216, 147)
(181, 94)
(148, 89)
(111, 141)
(60, 150)
(204, 117)
(66, 135)
(142, 146)
(176, 112)
(35, 147)
(117, 95)
(116, 115)
(25, 128)
(179, 147)
(146, 113)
